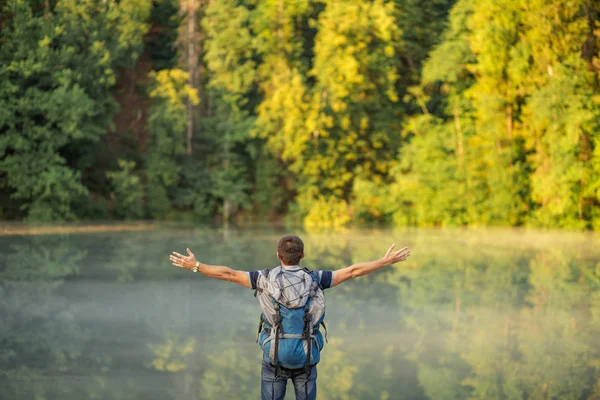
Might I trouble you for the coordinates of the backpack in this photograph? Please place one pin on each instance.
(293, 308)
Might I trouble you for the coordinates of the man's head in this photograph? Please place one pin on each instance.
(290, 249)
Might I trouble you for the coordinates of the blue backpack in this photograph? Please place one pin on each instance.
(293, 308)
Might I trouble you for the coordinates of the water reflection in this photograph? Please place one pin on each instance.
(472, 315)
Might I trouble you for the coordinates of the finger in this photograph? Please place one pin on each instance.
(387, 253)
(179, 255)
(189, 252)
(402, 251)
(402, 258)
(399, 258)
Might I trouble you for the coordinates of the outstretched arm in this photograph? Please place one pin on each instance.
(213, 271)
(365, 268)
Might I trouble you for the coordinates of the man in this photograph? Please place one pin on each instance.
(290, 294)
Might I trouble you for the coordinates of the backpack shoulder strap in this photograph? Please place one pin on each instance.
(265, 273)
(314, 277)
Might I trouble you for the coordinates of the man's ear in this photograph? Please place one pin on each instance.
(302, 256)
(278, 257)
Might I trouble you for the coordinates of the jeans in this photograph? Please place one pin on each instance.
(274, 389)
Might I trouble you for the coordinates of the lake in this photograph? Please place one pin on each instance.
(472, 314)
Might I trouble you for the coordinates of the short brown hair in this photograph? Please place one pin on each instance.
(290, 249)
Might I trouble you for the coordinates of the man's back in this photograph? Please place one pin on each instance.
(293, 310)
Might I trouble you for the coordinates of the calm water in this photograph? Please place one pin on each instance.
(488, 314)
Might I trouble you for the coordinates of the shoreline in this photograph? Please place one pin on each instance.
(8, 230)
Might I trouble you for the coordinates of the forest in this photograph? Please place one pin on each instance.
(321, 113)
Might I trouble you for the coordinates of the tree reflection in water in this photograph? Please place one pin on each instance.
(487, 314)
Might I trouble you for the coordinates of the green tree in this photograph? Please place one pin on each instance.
(167, 123)
(439, 178)
(60, 65)
(561, 118)
(128, 190)
(238, 41)
(335, 121)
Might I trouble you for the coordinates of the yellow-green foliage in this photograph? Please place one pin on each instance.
(171, 356)
(517, 141)
(452, 112)
(171, 86)
(326, 213)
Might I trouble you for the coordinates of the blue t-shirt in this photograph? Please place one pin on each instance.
(325, 278)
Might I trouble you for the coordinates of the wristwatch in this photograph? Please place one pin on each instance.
(195, 269)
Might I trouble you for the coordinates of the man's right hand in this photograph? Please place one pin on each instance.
(181, 261)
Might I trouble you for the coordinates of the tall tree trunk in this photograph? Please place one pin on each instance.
(509, 132)
(192, 61)
(590, 46)
(190, 38)
(509, 122)
(226, 211)
(459, 135)
(226, 201)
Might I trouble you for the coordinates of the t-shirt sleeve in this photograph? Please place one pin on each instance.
(325, 279)
(253, 277)
(256, 277)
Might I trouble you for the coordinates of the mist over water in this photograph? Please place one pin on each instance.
(475, 314)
